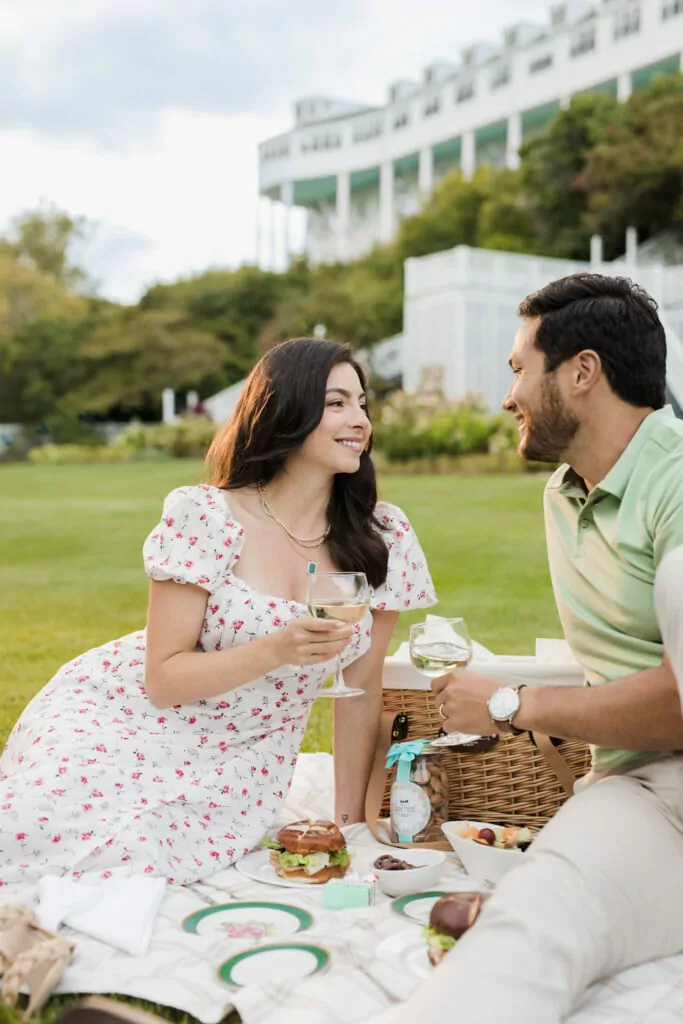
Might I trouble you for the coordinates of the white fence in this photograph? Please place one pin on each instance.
(460, 320)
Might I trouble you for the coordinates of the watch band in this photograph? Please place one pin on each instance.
(513, 728)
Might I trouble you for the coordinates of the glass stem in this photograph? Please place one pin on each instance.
(338, 677)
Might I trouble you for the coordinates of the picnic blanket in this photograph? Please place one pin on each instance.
(181, 969)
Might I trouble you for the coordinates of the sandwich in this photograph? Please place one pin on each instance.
(309, 851)
(450, 918)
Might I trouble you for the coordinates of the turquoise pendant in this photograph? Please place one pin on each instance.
(312, 568)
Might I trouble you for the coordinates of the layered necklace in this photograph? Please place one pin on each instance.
(304, 542)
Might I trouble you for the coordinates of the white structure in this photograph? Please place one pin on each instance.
(356, 170)
(459, 317)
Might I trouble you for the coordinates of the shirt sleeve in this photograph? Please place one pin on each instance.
(195, 541)
(408, 584)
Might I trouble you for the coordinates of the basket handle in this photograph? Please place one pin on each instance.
(556, 762)
(375, 791)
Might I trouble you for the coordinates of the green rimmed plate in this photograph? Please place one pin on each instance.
(278, 961)
(416, 907)
(253, 920)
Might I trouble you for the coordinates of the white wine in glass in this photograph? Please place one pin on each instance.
(437, 647)
(344, 597)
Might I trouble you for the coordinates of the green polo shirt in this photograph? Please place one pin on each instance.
(603, 549)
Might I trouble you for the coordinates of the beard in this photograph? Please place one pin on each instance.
(550, 428)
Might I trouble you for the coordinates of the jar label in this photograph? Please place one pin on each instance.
(410, 810)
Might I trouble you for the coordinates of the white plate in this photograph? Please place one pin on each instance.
(254, 920)
(279, 962)
(418, 906)
(408, 950)
(257, 866)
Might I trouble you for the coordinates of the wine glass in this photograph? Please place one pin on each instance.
(344, 596)
(439, 646)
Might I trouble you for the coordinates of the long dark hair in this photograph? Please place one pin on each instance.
(282, 403)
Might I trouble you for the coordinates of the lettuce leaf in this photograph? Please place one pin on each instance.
(437, 940)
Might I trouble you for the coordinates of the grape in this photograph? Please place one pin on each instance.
(487, 835)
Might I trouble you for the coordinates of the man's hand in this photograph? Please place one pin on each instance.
(463, 696)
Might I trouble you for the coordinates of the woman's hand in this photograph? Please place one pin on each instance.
(309, 641)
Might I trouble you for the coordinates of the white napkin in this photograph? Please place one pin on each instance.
(554, 652)
(120, 911)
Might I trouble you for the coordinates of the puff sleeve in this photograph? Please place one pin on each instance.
(408, 584)
(195, 542)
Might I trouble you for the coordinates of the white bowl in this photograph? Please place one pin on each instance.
(486, 863)
(426, 874)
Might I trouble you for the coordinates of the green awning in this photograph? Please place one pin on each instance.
(641, 78)
(496, 132)
(315, 190)
(537, 117)
(609, 88)
(406, 164)
(449, 149)
(368, 178)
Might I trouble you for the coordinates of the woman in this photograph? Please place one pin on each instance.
(171, 751)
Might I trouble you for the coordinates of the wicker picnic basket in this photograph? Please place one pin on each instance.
(517, 782)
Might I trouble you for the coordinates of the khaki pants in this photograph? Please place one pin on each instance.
(601, 889)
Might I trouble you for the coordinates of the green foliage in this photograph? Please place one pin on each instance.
(187, 439)
(634, 175)
(552, 161)
(41, 239)
(427, 426)
(77, 454)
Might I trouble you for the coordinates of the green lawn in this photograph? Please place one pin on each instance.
(71, 574)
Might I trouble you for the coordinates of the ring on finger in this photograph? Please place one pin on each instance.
(443, 717)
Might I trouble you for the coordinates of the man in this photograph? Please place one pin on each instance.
(602, 887)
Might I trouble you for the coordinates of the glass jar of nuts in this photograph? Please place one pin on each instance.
(419, 794)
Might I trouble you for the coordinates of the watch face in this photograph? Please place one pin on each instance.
(503, 704)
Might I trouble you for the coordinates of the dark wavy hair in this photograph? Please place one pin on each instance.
(614, 317)
(282, 403)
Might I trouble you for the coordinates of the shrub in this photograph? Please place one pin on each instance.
(61, 454)
(187, 439)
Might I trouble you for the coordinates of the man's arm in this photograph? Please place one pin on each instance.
(639, 712)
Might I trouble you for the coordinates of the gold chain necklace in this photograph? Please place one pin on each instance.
(304, 542)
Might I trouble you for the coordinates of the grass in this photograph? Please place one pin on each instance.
(71, 574)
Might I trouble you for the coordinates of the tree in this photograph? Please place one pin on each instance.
(634, 175)
(449, 218)
(41, 239)
(132, 355)
(552, 162)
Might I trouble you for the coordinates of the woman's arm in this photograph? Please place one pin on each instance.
(176, 673)
(356, 722)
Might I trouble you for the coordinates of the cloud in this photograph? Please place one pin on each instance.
(84, 70)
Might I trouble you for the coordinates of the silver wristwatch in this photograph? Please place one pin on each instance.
(503, 705)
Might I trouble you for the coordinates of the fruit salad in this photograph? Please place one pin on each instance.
(511, 838)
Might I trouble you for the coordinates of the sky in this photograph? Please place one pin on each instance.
(144, 116)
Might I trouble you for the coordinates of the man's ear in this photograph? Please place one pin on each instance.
(586, 371)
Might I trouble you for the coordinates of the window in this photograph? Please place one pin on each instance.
(627, 23)
(501, 77)
(464, 92)
(583, 42)
(432, 107)
(366, 132)
(671, 8)
(276, 152)
(541, 64)
(401, 120)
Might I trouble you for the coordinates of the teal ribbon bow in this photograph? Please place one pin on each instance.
(404, 754)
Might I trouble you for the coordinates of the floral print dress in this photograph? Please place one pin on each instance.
(95, 779)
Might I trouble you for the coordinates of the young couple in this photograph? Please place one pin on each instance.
(171, 751)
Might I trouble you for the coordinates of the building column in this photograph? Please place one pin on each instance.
(257, 238)
(287, 199)
(426, 172)
(343, 215)
(272, 236)
(386, 201)
(623, 87)
(514, 141)
(468, 158)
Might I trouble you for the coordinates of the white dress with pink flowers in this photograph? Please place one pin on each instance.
(94, 777)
